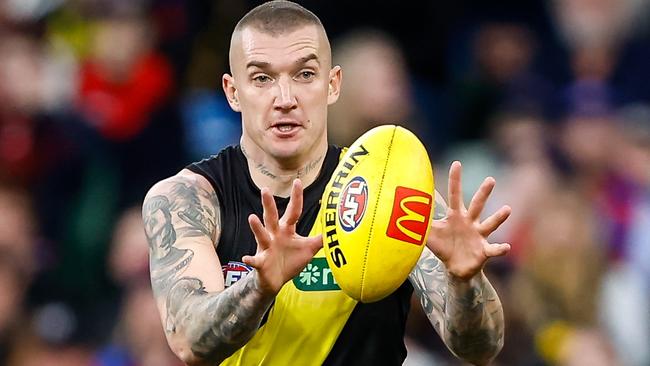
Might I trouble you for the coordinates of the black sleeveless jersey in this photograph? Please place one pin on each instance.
(368, 334)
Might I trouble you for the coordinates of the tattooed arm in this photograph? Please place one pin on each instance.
(203, 323)
(448, 278)
(466, 314)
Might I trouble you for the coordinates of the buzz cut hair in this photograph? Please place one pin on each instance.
(278, 17)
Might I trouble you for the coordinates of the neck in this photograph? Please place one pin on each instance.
(278, 175)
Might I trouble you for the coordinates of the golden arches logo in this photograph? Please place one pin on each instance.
(409, 219)
(411, 215)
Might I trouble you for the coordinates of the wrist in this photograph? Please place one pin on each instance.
(262, 287)
(461, 283)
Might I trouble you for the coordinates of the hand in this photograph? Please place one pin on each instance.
(281, 252)
(460, 239)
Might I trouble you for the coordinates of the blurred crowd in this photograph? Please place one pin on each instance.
(99, 99)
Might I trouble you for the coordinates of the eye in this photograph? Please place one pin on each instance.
(306, 75)
(262, 79)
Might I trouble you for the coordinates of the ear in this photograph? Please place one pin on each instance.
(334, 89)
(229, 89)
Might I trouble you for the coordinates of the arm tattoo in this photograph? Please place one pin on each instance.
(476, 319)
(187, 211)
(429, 282)
(467, 315)
(215, 323)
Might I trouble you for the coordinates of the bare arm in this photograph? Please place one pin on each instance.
(467, 315)
(448, 279)
(203, 323)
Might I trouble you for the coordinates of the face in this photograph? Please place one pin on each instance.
(282, 86)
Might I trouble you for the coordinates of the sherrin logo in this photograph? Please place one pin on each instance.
(354, 200)
(234, 271)
(410, 216)
(330, 236)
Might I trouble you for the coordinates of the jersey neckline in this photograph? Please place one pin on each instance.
(322, 176)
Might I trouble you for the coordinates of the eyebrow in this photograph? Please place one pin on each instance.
(305, 59)
(301, 61)
(259, 64)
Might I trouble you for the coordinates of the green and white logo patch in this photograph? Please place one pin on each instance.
(316, 276)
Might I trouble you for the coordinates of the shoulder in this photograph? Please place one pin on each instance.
(185, 178)
(228, 155)
(186, 202)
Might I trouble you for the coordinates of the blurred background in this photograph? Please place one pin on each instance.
(99, 99)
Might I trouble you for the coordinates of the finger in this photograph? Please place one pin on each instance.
(495, 220)
(454, 186)
(262, 236)
(294, 208)
(270, 210)
(253, 261)
(496, 250)
(477, 203)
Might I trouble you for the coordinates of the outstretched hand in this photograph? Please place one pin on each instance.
(460, 239)
(281, 252)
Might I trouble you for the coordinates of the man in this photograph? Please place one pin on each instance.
(205, 233)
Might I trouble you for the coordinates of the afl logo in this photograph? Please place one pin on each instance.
(354, 199)
(234, 271)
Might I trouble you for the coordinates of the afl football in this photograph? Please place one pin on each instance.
(376, 210)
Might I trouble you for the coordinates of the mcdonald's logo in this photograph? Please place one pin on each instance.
(410, 216)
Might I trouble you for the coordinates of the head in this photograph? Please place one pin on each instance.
(587, 134)
(128, 257)
(520, 136)
(21, 73)
(282, 80)
(378, 88)
(596, 23)
(119, 42)
(503, 50)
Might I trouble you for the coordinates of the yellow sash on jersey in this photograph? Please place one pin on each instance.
(305, 321)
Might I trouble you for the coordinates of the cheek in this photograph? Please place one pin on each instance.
(313, 97)
(251, 96)
(255, 108)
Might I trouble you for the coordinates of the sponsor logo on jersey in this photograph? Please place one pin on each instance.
(234, 271)
(330, 236)
(316, 276)
(352, 207)
(410, 216)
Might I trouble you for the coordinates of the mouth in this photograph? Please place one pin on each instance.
(285, 128)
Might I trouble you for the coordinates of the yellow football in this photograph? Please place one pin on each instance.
(375, 212)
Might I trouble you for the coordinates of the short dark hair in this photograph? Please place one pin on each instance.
(277, 17)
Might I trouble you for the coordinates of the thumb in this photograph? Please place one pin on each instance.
(496, 250)
(253, 261)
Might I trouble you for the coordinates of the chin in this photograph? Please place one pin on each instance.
(290, 148)
(286, 150)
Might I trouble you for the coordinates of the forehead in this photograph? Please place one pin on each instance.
(255, 45)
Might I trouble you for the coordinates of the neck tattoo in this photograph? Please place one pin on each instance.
(260, 167)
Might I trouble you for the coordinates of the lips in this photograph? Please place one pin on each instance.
(285, 123)
(285, 129)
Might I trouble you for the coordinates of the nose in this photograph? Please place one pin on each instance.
(284, 98)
